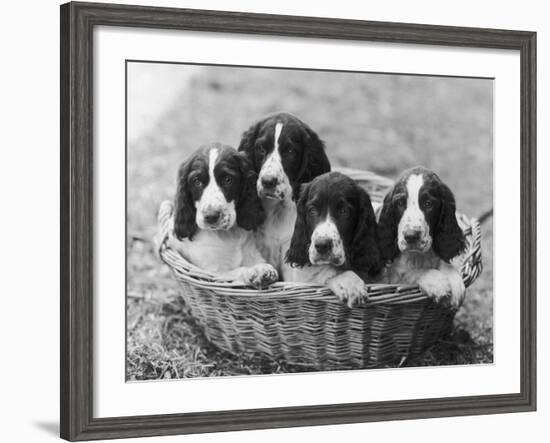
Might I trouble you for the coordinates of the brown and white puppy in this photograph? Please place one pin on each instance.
(216, 210)
(285, 153)
(335, 238)
(418, 232)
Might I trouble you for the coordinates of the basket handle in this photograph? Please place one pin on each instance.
(472, 264)
(165, 224)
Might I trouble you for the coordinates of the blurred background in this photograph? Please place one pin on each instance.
(380, 122)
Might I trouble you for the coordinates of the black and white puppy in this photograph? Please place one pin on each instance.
(285, 153)
(418, 231)
(335, 236)
(216, 210)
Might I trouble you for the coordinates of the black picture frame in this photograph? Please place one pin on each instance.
(77, 23)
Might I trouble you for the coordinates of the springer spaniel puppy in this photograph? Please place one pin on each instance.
(419, 232)
(285, 153)
(216, 210)
(335, 237)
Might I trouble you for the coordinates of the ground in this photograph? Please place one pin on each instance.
(383, 123)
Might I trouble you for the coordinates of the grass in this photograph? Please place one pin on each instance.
(382, 123)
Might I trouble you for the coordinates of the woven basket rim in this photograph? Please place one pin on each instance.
(377, 292)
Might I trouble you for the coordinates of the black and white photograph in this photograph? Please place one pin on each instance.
(243, 222)
(283, 220)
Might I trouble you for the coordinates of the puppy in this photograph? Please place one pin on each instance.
(216, 210)
(335, 236)
(419, 233)
(286, 153)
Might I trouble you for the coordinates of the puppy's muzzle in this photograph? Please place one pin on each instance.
(269, 182)
(270, 186)
(412, 236)
(324, 251)
(323, 246)
(212, 217)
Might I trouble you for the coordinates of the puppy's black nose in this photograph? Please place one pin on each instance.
(212, 217)
(269, 181)
(411, 235)
(323, 245)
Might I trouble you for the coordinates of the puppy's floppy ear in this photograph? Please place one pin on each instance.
(185, 224)
(298, 254)
(363, 251)
(314, 159)
(250, 212)
(387, 229)
(448, 237)
(248, 140)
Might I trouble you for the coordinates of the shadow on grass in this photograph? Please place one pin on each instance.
(459, 348)
(178, 348)
(168, 343)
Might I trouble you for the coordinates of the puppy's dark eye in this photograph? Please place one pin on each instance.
(312, 211)
(401, 203)
(343, 212)
(227, 180)
(288, 150)
(427, 204)
(197, 183)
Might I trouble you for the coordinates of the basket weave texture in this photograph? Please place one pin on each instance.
(305, 324)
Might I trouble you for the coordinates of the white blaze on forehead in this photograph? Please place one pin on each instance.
(273, 167)
(212, 198)
(212, 158)
(414, 183)
(273, 162)
(413, 217)
(278, 129)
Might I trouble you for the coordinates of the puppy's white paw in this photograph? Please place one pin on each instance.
(260, 275)
(348, 287)
(435, 285)
(458, 290)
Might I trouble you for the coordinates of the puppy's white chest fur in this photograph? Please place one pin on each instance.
(405, 266)
(273, 237)
(434, 276)
(320, 274)
(216, 251)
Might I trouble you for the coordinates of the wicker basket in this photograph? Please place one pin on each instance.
(304, 324)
